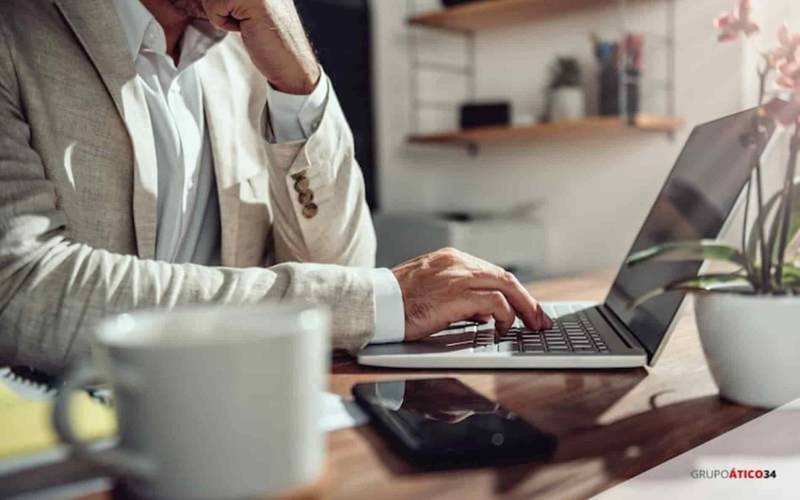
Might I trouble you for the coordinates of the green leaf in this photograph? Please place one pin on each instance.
(791, 277)
(771, 230)
(763, 215)
(791, 274)
(689, 250)
(794, 224)
(700, 284)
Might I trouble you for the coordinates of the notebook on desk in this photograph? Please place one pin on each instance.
(25, 420)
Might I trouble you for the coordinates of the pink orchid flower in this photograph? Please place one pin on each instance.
(785, 113)
(731, 25)
(786, 59)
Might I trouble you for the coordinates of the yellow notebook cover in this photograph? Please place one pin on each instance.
(25, 421)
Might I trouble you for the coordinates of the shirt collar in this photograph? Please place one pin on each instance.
(138, 22)
(135, 18)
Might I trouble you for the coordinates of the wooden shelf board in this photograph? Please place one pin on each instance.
(593, 126)
(484, 14)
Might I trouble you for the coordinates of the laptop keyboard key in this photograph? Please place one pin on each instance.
(508, 346)
(571, 332)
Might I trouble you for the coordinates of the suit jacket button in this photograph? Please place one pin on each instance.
(305, 197)
(301, 184)
(310, 210)
(298, 175)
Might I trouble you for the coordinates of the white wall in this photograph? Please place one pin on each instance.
(593, 193)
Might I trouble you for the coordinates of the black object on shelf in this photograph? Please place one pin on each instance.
(608, 58)
(457, 216)
(632, 94)
(620, 64)
(609, 92)
(485, 114)
(455, 3)
(633, 45)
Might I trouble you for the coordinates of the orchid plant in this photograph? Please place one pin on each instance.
(762, 263)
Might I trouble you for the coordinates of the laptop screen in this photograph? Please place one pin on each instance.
(694, 203)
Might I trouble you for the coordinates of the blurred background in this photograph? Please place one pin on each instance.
(531, 133)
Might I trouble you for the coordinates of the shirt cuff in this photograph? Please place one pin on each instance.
(390, 318)
(296, 117)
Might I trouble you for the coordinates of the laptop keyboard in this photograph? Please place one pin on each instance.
(572, 332)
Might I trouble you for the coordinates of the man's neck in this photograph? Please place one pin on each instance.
(172, 21)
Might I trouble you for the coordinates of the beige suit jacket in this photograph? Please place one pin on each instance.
(78, 191)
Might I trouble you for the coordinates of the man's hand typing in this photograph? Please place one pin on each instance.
(447, 286)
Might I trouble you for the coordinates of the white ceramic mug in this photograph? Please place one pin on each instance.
(211, 402)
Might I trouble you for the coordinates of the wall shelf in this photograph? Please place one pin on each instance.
(463, 21)
(599, 126)
(484, 14)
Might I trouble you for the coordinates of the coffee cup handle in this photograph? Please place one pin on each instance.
(118, 460)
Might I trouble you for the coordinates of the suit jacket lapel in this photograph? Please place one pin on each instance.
(97, 28)
(218, 105)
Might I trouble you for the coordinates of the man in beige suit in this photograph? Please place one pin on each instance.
(141, 166)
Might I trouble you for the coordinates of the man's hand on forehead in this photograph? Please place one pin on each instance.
(273, 36)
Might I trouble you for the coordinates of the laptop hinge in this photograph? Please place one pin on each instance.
(620, 327)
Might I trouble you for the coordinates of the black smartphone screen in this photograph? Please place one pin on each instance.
(443, 423)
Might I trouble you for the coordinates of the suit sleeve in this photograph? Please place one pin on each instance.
(54, 290)
(317, 191)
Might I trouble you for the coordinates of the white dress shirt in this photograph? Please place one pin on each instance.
(188, 224)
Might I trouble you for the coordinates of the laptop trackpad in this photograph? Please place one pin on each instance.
(440, 343)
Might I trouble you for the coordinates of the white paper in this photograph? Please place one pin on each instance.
(339, 414)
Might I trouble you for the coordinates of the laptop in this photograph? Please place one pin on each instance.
(695, 202)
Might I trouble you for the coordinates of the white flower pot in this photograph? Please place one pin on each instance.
(567, 103)
(752, 344)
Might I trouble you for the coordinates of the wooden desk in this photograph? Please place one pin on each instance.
(611, 424)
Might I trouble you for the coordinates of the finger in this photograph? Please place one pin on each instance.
(219, 14)
(544, 318)
(489, 276)
(531, 311)
(481, 318)
(520, 299)
(546, 321)
(495, 304)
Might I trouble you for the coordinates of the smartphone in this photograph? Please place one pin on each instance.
(441, 423)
